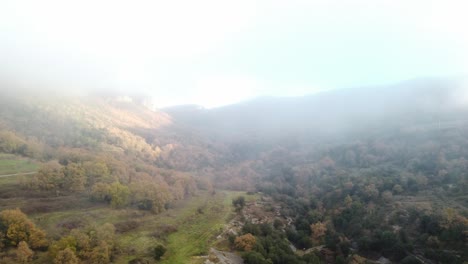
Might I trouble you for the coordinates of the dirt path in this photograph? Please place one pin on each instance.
(226, 257)
(17, 174)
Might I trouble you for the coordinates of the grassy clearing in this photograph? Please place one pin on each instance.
(10, 164)
(201, 220)
(187, 230)
(197, 230)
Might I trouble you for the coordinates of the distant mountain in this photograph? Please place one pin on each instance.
(337, 112)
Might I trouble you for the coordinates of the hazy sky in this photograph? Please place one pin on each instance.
(215, 52)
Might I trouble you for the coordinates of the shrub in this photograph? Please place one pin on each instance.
(158, 252)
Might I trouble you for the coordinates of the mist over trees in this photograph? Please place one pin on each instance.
(360, 170)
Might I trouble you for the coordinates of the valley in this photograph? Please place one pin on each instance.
(96, 179)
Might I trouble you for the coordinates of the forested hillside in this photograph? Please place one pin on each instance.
(68, 154)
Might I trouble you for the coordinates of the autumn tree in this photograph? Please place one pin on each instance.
(150, 195)
(348, 201)
(74, 177)
(181, 184)
(64, 243)
(92, 244)
(83, 243)
(16, 227)
(101, 192)
(37, 239)
(50, 177)
(245, 242)
(204, 184)
(318, 231)
(66, 256)
(97, 171)
(106, 233)
(11, 143)
(23, 253)
(119, 195)
(100, 254)
(371, 192)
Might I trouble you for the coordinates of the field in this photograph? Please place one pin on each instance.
(187, 230)
(13, 170)
(11, 164)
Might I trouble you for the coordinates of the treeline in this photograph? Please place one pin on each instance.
(13, 144)
(148, 188)
(21, 241)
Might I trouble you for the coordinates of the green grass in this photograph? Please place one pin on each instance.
(196, 222)
(197, 231)
(10, 164)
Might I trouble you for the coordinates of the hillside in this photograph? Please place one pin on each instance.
(332, 113)
(66, 156)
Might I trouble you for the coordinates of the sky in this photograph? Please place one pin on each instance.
(216, 52)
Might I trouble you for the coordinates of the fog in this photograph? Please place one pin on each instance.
(339, 114)
(214, 53)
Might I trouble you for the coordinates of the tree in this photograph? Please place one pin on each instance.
(66, 256)
(254, 258)
(119, 195)
(16, 227)
(9, 142)
(158, 252)
(97, 172)
(50, 177)
(245, 242)
(2, 240)
(74, 177)
(371, 192)
(24, 254)
(106, 233)
(100, 254)
(18, 231)
(83, 243)
(64, 243)
(239, 202)
(387, 196)
(311, 258)
(318, 231)
(37, 239)
(397, 189)
(101, 192)
(348, 201)
(149, 195)
(449, 215)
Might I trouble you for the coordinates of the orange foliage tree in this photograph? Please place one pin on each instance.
(318, 232)
(245, 242)
(17, 227)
